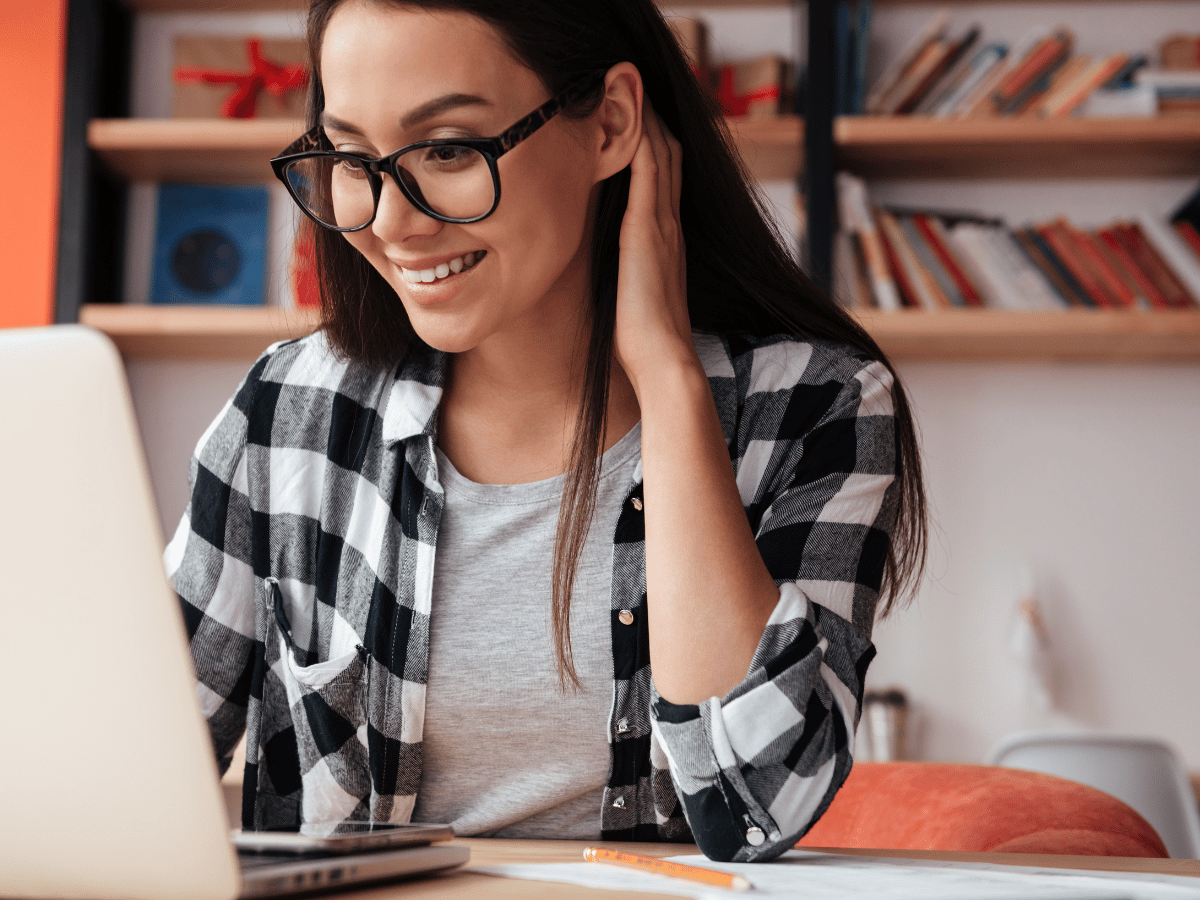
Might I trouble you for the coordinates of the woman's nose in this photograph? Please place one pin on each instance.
(397, 218)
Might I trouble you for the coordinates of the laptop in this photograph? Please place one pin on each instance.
(108, 784)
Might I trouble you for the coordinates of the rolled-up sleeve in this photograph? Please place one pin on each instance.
(816, 466)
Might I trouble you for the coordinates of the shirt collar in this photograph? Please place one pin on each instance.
(415, 394)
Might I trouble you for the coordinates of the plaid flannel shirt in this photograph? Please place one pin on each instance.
(304, 563)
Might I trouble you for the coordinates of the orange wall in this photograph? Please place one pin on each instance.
(32, 39)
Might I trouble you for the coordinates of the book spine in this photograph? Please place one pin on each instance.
(1190, 235)
(1114, 288)
(855, 214)
(944, 289)
(973, 242)
(1025, 278)
(1149, 290)
(1045, 56)
(1116, 263)
(1056, 273)
(1174, 252)
(1064, 248)
(906, 269)
(1148, 260)
(1094, 77)
(939, 240)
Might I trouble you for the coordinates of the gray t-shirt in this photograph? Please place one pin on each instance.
(492, 678)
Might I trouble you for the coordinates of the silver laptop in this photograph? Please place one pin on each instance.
(108, 786)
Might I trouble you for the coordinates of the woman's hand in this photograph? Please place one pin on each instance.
(652, 326)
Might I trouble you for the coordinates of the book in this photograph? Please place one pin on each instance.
(850, 286)
(854, 212)
(903, 267)
(1062, 243)
(1056, 273)
(922, 79)
(1174, 252)
(979, 103)
(945, 289)
(1120, 250)
(1146, 256)
(210, 245)
(1190, 235)
(1025, 279)
(1119, 261)
(935, 235)
(861, 53)
(1114, 287)
(1031, 75)
(1096, 74)
(933, 30)
(1065, 79)
(972, 243)
(982, 66)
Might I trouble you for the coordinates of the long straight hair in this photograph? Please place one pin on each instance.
(740, 276)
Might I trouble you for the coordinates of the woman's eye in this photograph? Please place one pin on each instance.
(346, 168)
(449, 154)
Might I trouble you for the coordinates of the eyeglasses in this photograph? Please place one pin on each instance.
(451, 179)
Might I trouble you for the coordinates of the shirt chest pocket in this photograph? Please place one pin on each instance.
(326, 699)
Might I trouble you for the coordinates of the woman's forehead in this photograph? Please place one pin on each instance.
(414, 55)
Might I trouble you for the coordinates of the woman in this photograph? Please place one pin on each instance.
(433, 549)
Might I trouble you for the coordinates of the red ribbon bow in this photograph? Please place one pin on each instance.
(733, 104)
(264, 75)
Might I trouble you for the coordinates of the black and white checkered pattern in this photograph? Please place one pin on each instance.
(305, 565)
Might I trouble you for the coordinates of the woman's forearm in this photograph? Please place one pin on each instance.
(709, 594)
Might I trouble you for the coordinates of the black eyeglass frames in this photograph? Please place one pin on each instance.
(451, 179)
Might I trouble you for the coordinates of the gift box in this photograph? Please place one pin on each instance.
(241, 77)
(754, 87)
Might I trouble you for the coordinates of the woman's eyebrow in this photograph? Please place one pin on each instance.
(425, 111)
(440, 105)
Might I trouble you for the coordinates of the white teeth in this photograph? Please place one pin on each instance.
(456, 265)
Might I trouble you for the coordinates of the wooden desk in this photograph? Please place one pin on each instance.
(484, 852)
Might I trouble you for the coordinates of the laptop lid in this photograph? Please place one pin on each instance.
(107, 779)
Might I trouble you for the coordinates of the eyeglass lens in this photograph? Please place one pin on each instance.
(449, 179)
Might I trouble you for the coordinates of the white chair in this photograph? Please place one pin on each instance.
(1142, 772)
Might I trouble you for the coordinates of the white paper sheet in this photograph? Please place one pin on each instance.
(804, 875)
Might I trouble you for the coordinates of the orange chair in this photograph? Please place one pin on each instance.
(941, 806)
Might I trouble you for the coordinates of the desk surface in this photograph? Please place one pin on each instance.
(485, 852)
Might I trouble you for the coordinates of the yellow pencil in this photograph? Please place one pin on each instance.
(665, 867)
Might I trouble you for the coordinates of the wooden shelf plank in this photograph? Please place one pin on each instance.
(920, 147)
(196, 332)
(225, 150)
(232, 150)
(1076, 335)
(193, 332)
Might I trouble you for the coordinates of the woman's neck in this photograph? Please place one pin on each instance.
(509, 408)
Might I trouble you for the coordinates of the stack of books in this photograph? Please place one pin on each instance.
(947, 72)
(894, 259)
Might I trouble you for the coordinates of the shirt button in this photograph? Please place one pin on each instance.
(755, 836)
(626, 617)
(619, 803)
(622, 726)
(637, 503)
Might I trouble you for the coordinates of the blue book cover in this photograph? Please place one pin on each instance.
(210, 245)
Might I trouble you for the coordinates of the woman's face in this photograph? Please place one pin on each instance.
(396, 75)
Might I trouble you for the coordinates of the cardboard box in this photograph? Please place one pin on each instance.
(239, 77)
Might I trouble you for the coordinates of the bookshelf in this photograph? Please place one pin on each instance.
(875, 147)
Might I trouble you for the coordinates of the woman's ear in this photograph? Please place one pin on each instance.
(619, 119)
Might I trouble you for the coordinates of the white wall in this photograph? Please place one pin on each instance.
(1085, 474)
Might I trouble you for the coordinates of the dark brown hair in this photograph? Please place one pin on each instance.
(740, 276)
